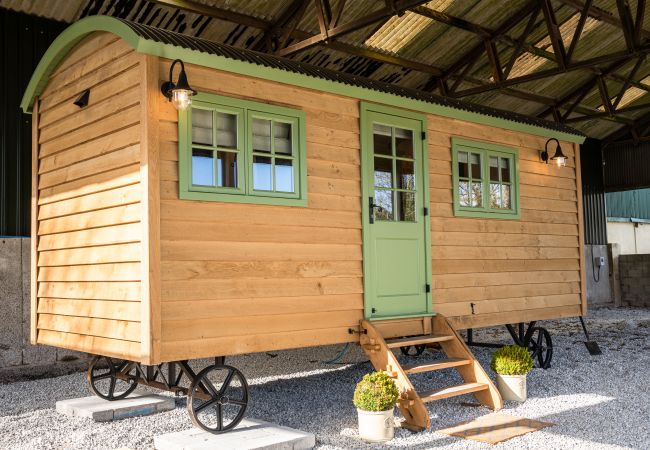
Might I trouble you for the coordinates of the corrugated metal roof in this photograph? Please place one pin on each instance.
(213, 48)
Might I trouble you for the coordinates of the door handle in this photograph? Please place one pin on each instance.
(371, 209)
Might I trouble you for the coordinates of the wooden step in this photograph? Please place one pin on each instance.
(453, 391)
(437, 365)
(417, 340)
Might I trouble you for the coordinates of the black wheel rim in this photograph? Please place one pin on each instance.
(218, 398)
(111, 379)
(541, 347)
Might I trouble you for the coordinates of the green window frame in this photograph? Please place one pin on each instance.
(487, 185)
(266, 167)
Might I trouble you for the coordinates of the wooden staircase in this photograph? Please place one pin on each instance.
(459, 357)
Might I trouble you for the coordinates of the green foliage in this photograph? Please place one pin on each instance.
(376, 392)
(512, 360)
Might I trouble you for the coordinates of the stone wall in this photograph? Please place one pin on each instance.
(634, 273)
(18, 358)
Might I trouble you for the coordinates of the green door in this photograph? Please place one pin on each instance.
(395, 222)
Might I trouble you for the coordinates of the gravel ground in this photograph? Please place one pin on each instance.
(595, 402)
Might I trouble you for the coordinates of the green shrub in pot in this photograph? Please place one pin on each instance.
(512, 363)
(375, 397)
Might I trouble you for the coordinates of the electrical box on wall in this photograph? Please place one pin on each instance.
(599, 261)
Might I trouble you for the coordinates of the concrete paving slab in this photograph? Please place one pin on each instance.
(103, 411)
(250, 434)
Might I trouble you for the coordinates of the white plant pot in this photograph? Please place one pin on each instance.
(376, 426)
(512, 387)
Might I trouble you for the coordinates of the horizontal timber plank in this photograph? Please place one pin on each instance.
(91, 255)
(527, 190)
(197, 270)
(244, 288)
(223, 231)
(259, 306)
(502, 265)
(478, 293)
(254, 251)
(108, 161)
(91, 149)
(97, 183)
(116, 234)
(525, 315)
(115, 348)
(92, 272)
(442, 152)
(87, 46)
(330, 169)
(237, 345)
(506, 304)
(329, 119)
(462, 224)
(334, 202)
(123, 195)
(257, 214)
(117, 215)
(502, 278)
(329, 136)
(97, 290)
(527, 215)
(106, 328)
(180, 330)
(496, 239)
(100, 309)
(469, 252)
(329, 152)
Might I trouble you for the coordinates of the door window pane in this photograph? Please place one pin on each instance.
(283, 175)
(463, 171)
(262, 173)
(201, 126)
(282, 136)
(384, 202)
(227, 169)
(404, 143)
(383, 172)
(382, 139)
(226, 130)
(262, 135)
(405, 174)
(406, 205)
(202, 167)
(505, 170)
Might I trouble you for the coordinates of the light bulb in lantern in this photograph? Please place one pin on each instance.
(181, 99)
(560, 161)
(179, 93)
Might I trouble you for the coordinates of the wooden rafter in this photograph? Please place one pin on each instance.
(522, 40)
(638, 24)
(554, 33)
(584, 14)
(602, 15)
(629, 78)
(604, 94)
(625, 15)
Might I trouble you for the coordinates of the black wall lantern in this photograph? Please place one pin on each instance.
(179, 93)
(558, 157)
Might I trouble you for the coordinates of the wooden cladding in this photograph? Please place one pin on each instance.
(88, 233)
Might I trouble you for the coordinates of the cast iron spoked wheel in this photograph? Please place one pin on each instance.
(104, 381)
(218, 398)
(417, 350)
(540, 347)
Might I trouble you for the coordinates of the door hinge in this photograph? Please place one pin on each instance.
(373, 310)
(424, 135)
(426, 211)
(427, 288)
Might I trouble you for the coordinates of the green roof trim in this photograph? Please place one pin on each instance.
(150, 41)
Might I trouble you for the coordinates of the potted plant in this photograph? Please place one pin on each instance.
(375, 397)
(512, 363)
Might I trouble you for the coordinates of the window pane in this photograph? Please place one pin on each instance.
(463, 193)
(406, 205)
(494, 168)
(226, 130)
(495, 195)
(262, 135)
(384, 202)
(282, 136)
(283, 175)
(201, 126)
(506, 192)
(505, 170)
(262, 173)
(382, 139)
(383, 172)
(202, 167)
(404, 143)
(227, 169)
(405, 175)
(463, 171)
(477, 194)
(475, 163)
